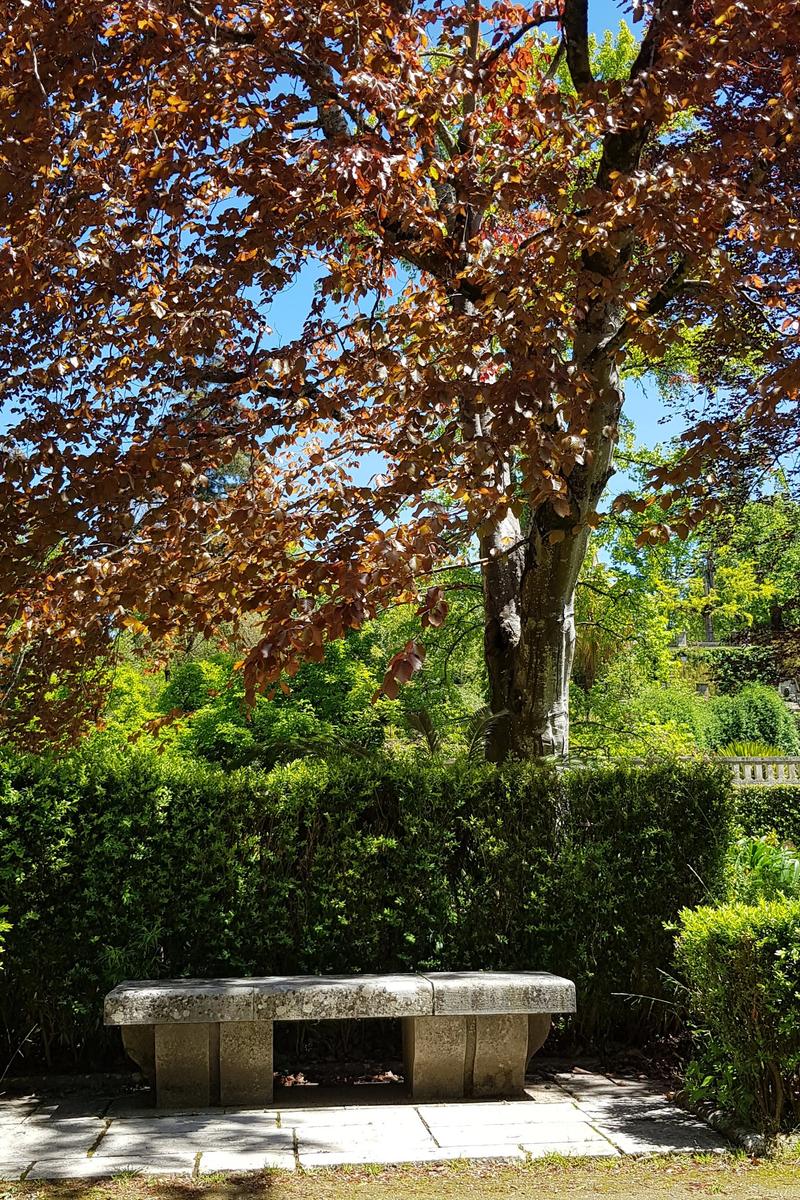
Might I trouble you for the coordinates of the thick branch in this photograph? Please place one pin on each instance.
(622, 147)
(576, 34)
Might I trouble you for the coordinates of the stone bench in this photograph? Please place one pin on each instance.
(209, 1041)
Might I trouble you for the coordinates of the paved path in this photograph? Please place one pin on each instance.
(575, 1114)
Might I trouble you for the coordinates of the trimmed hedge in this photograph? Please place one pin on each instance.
(118, 864)
(742, 967)
(761, 810)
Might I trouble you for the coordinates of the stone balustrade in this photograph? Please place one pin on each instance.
(774, 772)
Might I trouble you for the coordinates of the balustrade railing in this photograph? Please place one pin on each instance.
(770, 771)
(747, 772)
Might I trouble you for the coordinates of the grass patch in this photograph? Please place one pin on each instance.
(654, 1178)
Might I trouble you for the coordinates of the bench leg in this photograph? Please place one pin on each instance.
(538, 1029)
(140, 1045)
(496, 1066)
(184, 1057)
(245, 1063)
(434, 1050)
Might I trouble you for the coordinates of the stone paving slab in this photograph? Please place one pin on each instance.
(395, 1116)
(247, 1133)
(50, 1139)
(597, 1148)
(14, 1168)
(502, 1112)
(571, 1114)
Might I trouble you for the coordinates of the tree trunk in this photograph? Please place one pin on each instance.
(708, 584)
(529, 580)
(529, 645)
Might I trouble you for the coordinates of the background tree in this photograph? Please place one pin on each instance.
(499, 220)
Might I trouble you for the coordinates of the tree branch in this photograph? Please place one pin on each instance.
(490, 58)
(576, 34)
(622, 148)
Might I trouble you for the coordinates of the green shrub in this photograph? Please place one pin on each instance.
(741, 964)
(751, 749)
(731, 666)
(118, 863)
(763, 869)
(756, 713)
(761, 810)
(193, 683)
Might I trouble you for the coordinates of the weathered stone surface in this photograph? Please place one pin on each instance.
(592, 1148)
(50, 1138)
(279, 1157)
(71, 1168)
(13, 1168)
(310, 997)
(245, 1063)
(321, 997)
(434, 1052)
(492, 992)
(162, 1002)
(402, 1138)
(497, 1066)
(228, 1059)
(538, 1029)
(183, 1065)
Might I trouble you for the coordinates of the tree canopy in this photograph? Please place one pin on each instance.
(500, 218)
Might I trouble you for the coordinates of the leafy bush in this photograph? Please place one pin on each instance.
(756, 713)
(732, 666)
(120, 863)
(751, 749)
(761, 810)
(193, 683)
(627, 716)
(742, 967)
(762, 869)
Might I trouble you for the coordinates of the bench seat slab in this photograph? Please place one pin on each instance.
(209, 1041)
(492, 992)
(168, 1001)
(334, 997)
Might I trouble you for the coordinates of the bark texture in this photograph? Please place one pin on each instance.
(529, 580)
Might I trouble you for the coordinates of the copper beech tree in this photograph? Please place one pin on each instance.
(495, 227)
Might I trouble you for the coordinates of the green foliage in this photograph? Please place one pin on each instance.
(121, 863)
(732, 666)
(763, 810)
(741, 964)
(749, 749)
(4, 928)
(133, 700)
(193, 682)
(628, 715)
(766, 532)
(763, 869)
(611, 58)
(756, 713)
